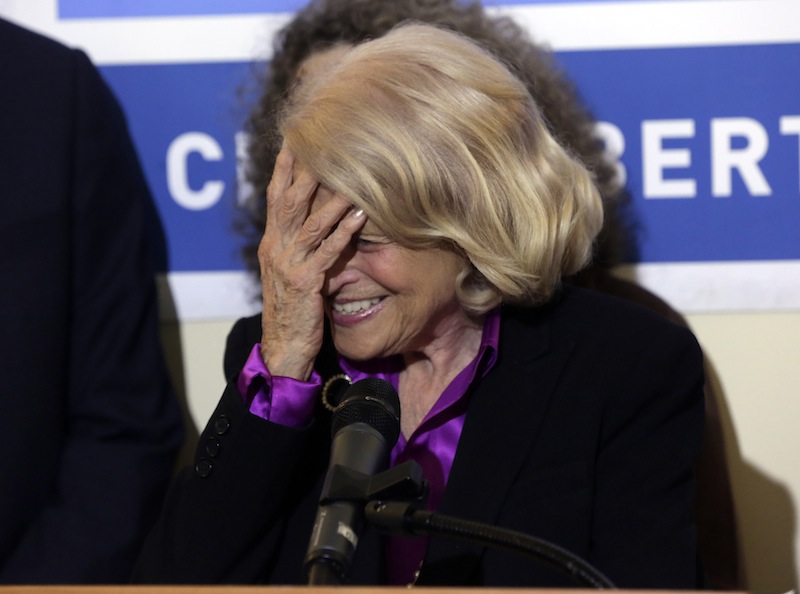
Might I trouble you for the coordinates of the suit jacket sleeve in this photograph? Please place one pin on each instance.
(98, 385)
(225, 519)
(643, 525)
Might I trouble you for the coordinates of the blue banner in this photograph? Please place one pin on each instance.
(710, 148)
(92, 9)
(88, 9)
(184, 120)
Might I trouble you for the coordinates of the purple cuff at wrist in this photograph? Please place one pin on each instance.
(282, 400)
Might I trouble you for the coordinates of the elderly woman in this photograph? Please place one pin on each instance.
(324, 28)
(419, 218)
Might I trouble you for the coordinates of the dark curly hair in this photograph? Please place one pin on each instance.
(324, 23)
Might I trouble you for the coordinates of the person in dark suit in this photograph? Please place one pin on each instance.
(422, 211)
(91, 422)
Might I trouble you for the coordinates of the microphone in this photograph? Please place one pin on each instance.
(364, 429)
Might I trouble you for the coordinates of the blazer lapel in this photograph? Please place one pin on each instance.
(503, 421)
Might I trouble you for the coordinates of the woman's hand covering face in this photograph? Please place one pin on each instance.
(308, 228)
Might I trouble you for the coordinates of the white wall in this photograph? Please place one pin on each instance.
(756, 358)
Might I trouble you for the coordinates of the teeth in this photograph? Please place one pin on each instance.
(355, 306)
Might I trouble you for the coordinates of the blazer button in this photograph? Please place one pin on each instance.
(203, 467)
(221, 424)
(213, 446)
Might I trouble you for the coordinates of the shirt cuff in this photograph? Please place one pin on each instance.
(282, 400)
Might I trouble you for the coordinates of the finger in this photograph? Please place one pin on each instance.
(330, 208)
(281, 176)
(334, 245)
(288, 205)
(295, 202)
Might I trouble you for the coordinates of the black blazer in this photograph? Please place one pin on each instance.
(91, 425)
(584, 434)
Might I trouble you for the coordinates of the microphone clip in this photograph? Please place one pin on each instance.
(403, 482)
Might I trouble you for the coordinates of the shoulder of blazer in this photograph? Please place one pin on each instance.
(576, 314)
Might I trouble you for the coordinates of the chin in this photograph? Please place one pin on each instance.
(352, 351)
(358, 350)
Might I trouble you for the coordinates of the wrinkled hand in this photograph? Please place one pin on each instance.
(308, 228)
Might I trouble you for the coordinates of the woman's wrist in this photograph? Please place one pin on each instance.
(285, 363)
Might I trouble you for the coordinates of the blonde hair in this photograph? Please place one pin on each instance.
(442, 146)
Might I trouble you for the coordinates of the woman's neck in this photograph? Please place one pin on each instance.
(427, 372)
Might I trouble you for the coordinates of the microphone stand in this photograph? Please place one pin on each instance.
(393, 497)
(401, 518)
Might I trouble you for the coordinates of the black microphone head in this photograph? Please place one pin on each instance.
(371, 401)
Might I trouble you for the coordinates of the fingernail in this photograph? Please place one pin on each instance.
(358, 213)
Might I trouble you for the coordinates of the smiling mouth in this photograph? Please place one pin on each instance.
(354, 307)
